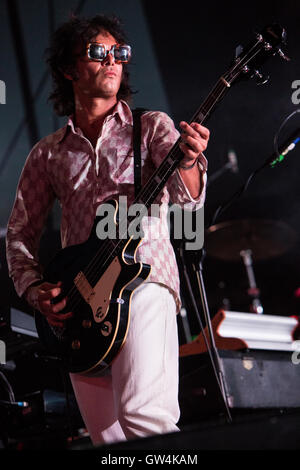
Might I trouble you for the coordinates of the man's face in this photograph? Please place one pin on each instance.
(99, 79)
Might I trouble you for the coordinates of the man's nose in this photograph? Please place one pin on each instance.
(109, 59)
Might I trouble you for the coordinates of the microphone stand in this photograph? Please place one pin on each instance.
(218, 173)
(210, 341)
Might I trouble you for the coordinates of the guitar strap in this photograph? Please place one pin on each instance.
(137, 128)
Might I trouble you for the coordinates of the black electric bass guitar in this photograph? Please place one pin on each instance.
(99, 276)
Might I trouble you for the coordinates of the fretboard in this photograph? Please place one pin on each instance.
(161, 175)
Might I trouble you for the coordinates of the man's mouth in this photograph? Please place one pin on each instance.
(110, 74)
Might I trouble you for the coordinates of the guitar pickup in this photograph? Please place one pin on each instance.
(84, 287)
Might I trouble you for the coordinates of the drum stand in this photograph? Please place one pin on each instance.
(253, 291)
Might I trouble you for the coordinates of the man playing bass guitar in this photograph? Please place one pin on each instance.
(84, 164)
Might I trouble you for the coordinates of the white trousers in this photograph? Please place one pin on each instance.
(140, 397)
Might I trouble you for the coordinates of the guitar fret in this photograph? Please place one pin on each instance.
(210, 101)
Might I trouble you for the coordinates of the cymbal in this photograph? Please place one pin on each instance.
(265, 238)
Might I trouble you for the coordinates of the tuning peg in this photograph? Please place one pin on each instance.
(260, 79)
(282, 55)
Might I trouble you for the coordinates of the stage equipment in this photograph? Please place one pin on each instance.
(231, 165)
(259, 357)
(265, 238)
(247, 239)
(240, 331)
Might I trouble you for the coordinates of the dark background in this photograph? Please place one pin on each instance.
(180, 51)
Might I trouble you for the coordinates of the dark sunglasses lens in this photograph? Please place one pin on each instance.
(97, 51)
(122, 53)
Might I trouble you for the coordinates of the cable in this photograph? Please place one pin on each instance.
(280, 153)
(8, 387)
(68, 406)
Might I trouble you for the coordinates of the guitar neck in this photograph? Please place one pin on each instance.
(158, 180)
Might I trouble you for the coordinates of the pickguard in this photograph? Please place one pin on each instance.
(99, 296)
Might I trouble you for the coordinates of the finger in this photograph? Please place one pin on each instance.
(188, 129)
(49, 294)
(45, 286)
(48, 286)
(195, 145)
(195, 140)
(48, 308)
(188, 152)
(60, 316)
(201, 130)
(194, 129)
(59, 306)
(55, 322)
(58, 320)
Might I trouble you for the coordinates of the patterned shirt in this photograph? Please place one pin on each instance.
(65, 165)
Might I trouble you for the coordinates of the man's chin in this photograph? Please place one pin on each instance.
(106, 92)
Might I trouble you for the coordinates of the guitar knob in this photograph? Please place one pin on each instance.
(106, 328)
(86, 323)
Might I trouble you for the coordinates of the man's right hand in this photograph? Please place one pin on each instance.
(40, 298)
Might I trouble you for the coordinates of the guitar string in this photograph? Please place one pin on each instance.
(104, 250)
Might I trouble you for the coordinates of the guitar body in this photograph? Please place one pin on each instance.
(99, 297)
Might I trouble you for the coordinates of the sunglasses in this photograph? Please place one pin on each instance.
(97, 51)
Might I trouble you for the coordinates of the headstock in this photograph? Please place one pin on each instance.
(248, 60)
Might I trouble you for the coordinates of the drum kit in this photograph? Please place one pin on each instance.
(248, 241)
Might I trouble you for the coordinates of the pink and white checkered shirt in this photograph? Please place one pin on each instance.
(65, 165)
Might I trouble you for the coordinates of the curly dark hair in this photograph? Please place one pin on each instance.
(61, 57)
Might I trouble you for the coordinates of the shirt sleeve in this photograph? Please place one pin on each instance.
(34, 199)
(163, 136)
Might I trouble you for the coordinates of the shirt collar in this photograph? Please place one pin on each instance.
(121, 111)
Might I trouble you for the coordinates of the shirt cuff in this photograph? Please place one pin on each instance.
(25, 281)
(191, 203)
